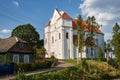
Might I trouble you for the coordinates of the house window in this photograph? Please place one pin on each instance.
(21, 45)
(59, 36)
(15, 58)
(52, 39)
(67, 35)
(26, 58)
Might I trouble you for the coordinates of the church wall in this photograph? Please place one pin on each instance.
(62, 48)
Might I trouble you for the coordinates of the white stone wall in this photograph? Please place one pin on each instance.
(67, 22)
(68, 43)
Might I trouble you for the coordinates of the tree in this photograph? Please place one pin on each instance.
(42, 42)
(108, 49)
(100, 54)
(80, 32)
(26, 32)
(41, 50)
(90, 38)
(116, 42)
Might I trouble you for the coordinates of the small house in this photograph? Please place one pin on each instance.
(16, 50)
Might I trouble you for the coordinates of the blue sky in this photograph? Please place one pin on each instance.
(38, 13)
(35, 12)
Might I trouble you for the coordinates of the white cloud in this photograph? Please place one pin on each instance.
(5, 31)
(16, 3)
(106, 12)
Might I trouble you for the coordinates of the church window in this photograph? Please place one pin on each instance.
(59, 36)
(67, 35)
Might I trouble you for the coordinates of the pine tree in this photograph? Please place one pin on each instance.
(91, 25)
(116, 42)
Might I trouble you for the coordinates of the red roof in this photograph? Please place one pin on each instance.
(48, 24)
(74, 22)
(85, 26)
(65, 15)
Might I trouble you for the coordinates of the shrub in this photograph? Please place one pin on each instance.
(20, 75)
(53, 60)
(34, 66)
(104, 75)
(84, 65)
(113, 63)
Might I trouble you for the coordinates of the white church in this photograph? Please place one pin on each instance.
(60, 33)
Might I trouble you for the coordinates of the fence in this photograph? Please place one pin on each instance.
(7, 68)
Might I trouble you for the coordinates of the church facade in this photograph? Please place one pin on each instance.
(60, 33)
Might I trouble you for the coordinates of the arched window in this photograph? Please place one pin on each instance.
(26, 58)
(67, 35)
(16, 58)
(59, 36)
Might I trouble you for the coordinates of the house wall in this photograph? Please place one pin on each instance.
(2, 58)
(21, 57)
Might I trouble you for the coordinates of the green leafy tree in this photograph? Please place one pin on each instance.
(116, 42)
(42, 42)
(80, 33)
(90, 37)
(26, 32)
(40, 50)
(100, 54)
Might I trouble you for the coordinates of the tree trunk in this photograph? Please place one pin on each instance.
(91, 53)
(80, 55)
(78, 49)
(107, 56)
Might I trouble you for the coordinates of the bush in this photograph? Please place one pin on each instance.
(53, 60)
(113, 63)
(20, 75)
(100, 54)
(84, 65)
(104, 75)
(35, 66)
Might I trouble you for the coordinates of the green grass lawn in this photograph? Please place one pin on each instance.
(71, 61)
